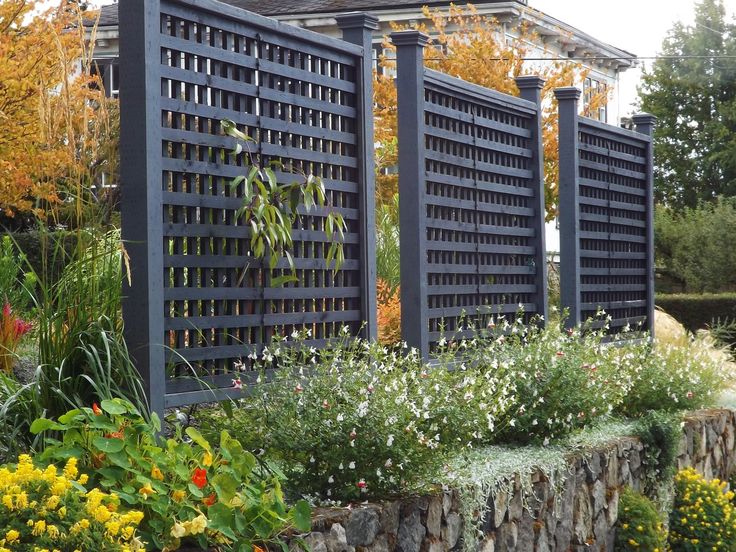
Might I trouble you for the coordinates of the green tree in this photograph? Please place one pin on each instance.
(692, 90)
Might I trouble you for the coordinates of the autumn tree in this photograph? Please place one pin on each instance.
(59, 130)
(475, 48)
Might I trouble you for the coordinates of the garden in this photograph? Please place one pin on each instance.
(525, 432)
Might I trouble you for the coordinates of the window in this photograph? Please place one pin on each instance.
(109, 71)
(591, 88)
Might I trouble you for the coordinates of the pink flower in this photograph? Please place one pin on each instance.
(690, 395)
(560, 354)
(362, 484)
(238, 383)
(325, 404)
(7, 311)
(353, 435)
(570, 331)
(298, 389)
(370, 388)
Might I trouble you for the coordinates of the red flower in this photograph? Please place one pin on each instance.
(210, 500)
(560, 354)
(7, 310)
(21, 328)
(362, 484)
(96, 409)
(199, 477)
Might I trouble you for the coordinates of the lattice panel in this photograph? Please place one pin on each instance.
(480, 191)
(298, 100)
(613, 240)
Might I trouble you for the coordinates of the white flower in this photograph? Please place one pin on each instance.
(351, 465)
(312, 459)
(388, 463)
(331, 479)
(534, 422)
(390, 440)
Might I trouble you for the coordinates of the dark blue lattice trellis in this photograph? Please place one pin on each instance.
(606, 226)
(199, 301)
(472, 206)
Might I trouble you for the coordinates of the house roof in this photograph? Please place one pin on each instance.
(109, 13)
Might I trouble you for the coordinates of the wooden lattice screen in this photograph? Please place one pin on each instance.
(199, 302)
(472, 203)
(606, 220)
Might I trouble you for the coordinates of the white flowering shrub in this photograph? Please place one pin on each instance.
(669, 377)
(360, 419)
(563, 380)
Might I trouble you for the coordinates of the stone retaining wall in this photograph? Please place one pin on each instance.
(580, 518)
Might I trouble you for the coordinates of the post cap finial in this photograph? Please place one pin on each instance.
(409, 37)
(644, 119)
(530, 81)
(357, 20)
(568, 93)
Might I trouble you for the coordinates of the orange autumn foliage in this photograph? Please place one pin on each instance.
(477, 49)
(389, 313)
(59, 130)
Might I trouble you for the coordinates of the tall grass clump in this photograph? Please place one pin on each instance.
(82, 354)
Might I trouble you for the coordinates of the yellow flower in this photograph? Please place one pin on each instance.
(156, 473)
(178, 531)
(198, 525)
(146, 490)
(207, 460)
(83, 479)
(70, 470)
(12, 536)
(39, 528)
(178, 496)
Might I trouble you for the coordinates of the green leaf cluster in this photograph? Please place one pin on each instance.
(189, 490)
(271, 209)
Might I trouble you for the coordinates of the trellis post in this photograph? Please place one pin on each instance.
(644, 123)
(530, 88)
(357, 28)
(140, 179)
(569, 204)
(412, 187)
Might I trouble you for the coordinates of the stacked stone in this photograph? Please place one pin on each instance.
(577, 514)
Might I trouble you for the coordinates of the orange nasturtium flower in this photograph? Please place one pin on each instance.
(210, 500)
(199, 477)
(156, 473)
(96, 409)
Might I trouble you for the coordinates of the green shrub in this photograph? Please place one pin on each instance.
(697, 312)
(18, 409)
(189, 491)
(672, 378)
(660, 432)
(639, 525)
(703, 517)
(695, 245)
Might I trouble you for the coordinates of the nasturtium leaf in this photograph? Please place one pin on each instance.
(108, 446)
(113, 407)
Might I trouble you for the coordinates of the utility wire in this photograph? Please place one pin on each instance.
(592, 58)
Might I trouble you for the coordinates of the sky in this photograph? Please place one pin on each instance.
(637, 26)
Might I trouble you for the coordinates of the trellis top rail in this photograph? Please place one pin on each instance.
(297, 35)
(474, 92)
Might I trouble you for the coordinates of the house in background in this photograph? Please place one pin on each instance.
(555, 39)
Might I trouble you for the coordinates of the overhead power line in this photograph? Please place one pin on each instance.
(595, 58)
